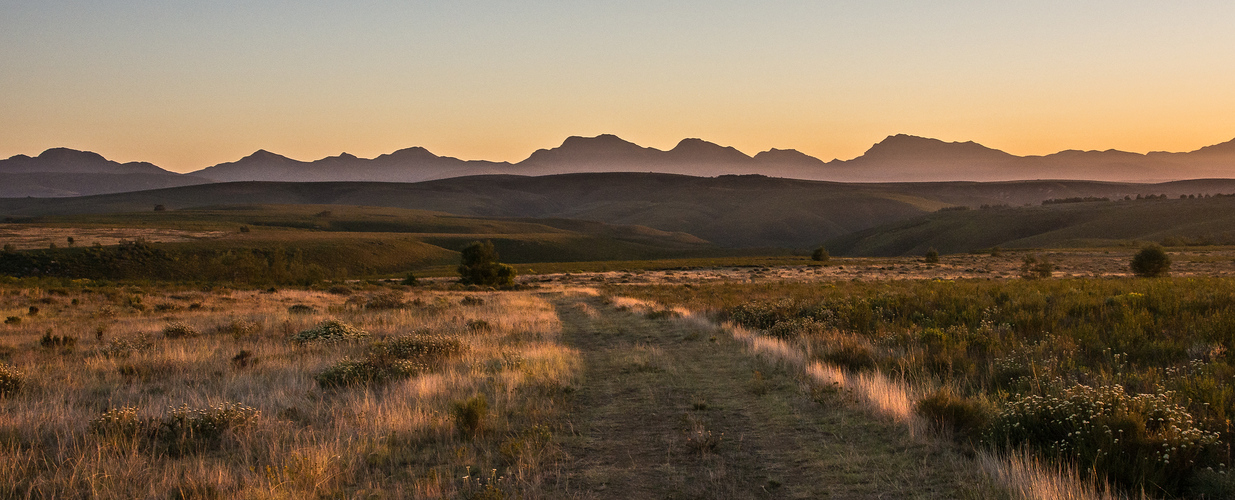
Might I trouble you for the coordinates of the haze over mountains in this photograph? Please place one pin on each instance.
(898, 158)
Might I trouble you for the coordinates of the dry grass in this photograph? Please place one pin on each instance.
(392, 440)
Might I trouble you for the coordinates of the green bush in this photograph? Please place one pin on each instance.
(1151, 262)
(470, 416)
(480, 266)
(11, 380)
(181, 431)
(932, 256)
(820, 255)
(1135, 441)
(330, 331)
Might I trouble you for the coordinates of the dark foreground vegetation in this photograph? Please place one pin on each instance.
(1127, 380)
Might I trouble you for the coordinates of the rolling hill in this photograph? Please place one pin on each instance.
(730, 211)
(1098, 223)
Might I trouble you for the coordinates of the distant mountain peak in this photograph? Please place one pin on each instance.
(264, 155)
(786, 156)
(699, 150)
(604, 148)
(67, 155)
(908, 147)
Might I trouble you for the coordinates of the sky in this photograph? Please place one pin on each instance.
(189, 84)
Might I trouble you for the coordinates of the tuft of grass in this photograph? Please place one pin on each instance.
(470, 415)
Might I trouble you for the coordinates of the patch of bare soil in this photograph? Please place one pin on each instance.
(667, 410)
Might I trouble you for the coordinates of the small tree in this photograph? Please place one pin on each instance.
(479, 266)
(1152, 261)
(932, 256)
(1033, 267)
(820, 255)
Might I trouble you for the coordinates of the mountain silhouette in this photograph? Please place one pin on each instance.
(60, 172)
(897, 158)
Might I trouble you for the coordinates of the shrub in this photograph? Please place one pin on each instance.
(243, 359)
(301, 309)
(472, 301)
(480, 266)
(180, 431)
(124, 347)
(470, 415)
(425, 347)
(932, 256)
(372, 370)
(410, 280)
(1152, 261)
(49, 341)
(1136, 441)
(179, 330)
(239, 328)
(479, 325)
(1034, 267)
(330, 331)
(389, 300)
(951, 413)
(12, 320)
(340, 290)
(820, 255)
(11, 380)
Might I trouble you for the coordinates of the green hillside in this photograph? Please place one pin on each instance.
(1098, 223)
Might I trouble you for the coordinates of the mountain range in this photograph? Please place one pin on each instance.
(900, 158)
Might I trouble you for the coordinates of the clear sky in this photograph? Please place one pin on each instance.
(187, 84)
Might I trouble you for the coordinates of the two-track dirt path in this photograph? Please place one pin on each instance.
(668, 410)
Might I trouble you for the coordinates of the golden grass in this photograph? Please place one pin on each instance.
(394, 440)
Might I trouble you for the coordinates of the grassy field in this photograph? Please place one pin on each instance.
(127, 393)
(1125, 380)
